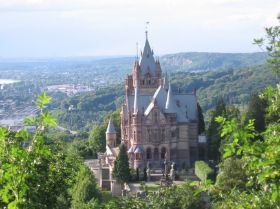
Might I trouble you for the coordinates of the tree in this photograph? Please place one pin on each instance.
(84, 191)
(256, 111)
(214, 138)
(201, 123)
(185, 196)
(121, 171)
(34, 170)
(272, 45)
(231, 175)
(97, 139)
(260, 156)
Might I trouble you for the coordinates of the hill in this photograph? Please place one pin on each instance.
(96, 72)
(235, 86)
(205, 61)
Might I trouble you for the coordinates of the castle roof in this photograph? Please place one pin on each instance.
(183, 105)
(147, 62)
(139, 149)
(111, 128)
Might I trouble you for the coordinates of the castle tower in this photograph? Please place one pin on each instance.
(111, 134)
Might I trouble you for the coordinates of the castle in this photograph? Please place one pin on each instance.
(157, 123)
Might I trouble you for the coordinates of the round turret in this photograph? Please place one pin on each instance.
(111, 134)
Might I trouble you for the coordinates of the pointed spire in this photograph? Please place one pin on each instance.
(147, 60)
(136, 98)
(147, 23)
(110, 128)
(137, 50)
(170, 106)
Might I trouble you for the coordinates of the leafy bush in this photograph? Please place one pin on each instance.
(203, 171)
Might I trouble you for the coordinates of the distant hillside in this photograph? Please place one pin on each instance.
(187, 62)
(86, 70)
(204, 61)
(235, 86)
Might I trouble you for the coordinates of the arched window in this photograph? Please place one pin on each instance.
(162, 153)
(149, 153)
(156, 153)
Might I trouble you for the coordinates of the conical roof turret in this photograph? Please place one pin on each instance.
(111, 128)
(147, 63)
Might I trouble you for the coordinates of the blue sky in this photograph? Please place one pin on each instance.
(61, 28)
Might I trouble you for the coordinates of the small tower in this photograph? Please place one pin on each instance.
(136, 99)
(111, 134)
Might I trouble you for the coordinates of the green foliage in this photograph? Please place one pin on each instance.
(272, 96)
(90, 108)
(235, 85)
(84, 192)
(272, 45)
(183, 196)
(121, 171)
(97, 136)
(97, 139)
(214, 138)
(260, 155)
(81, 147)
(256, 112)
(43, 100)
(35, 171)
(202, 170)
(236, 199)
(232, 175)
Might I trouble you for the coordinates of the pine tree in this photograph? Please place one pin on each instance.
(214, 138)
(201, 124)
(256, 111)
(121, 171)
(85, 189)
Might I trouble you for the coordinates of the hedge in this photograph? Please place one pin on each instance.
(203, 171)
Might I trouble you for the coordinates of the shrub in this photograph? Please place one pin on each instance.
(203, 171)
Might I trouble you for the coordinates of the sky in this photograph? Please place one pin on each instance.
(63, 28)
